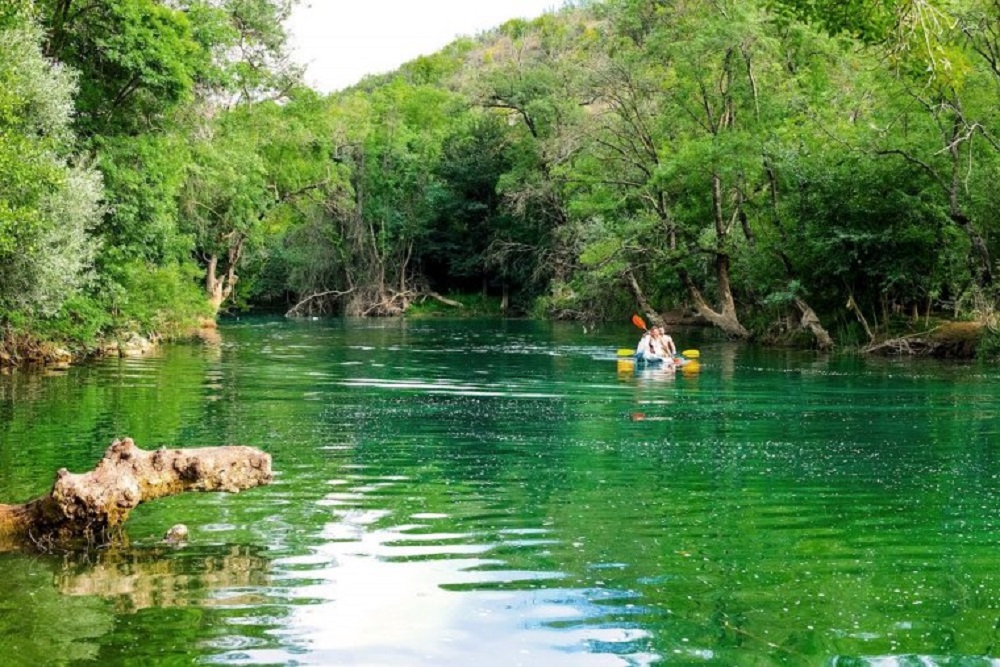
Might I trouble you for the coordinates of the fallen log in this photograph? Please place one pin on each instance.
(448, 302)
(92, 505)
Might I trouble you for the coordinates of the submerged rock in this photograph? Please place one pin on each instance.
(134, 345)
(176, 534)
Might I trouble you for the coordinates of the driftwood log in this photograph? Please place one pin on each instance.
(91, 505)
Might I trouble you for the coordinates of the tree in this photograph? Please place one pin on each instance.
(49, 196)
(251, 50)
(468, 212)
(932, 47)
(676, 105)
(137, 61)
(258, 159)
(152, 75)
(528, 77)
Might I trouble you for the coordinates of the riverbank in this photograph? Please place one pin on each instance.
(944, 339)
(950, 340)
(26, 350)
(941, 339)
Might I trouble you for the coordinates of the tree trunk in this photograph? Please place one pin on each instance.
(448, 302)
(91, 505)
(810, 321)
(218, 289)
(213, 286)
(853, 305)
(640, 296)
(726, 320)
(979, 260)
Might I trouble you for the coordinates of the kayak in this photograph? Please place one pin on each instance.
(677, 361)
(644, 361)
(635, 364)
(629, 362)
(684, 357)
(639, 366)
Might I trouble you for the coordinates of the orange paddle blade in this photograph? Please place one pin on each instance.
(638, 321)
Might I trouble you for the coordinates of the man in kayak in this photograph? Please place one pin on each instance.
(667, 347)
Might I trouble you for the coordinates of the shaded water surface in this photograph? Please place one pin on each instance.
(507, 493)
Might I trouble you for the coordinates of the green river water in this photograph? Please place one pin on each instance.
(491, 493)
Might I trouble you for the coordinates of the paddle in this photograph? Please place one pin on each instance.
(639, 322)
(627, 352)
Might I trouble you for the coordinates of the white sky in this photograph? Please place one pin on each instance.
(341, 41)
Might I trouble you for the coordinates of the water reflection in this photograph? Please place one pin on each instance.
(140, 578)
(420, 593)
(645, 374)
(68, 606)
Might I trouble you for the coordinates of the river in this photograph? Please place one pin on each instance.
(498, 493)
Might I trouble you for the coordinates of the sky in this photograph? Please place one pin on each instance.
(341, 41)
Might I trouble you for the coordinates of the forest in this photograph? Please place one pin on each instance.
(818, 173)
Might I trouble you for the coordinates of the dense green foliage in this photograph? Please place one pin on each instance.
(50, 197)
(760, 164)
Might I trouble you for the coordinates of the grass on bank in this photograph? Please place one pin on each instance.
(472, 305)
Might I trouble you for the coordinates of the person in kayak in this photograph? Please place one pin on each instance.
(666, 343)
(650, 349)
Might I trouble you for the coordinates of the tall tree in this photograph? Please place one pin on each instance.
(258, 159)
(528, 75)
(49, 195)
(932, 47)
(137, 60)
(676, 93)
